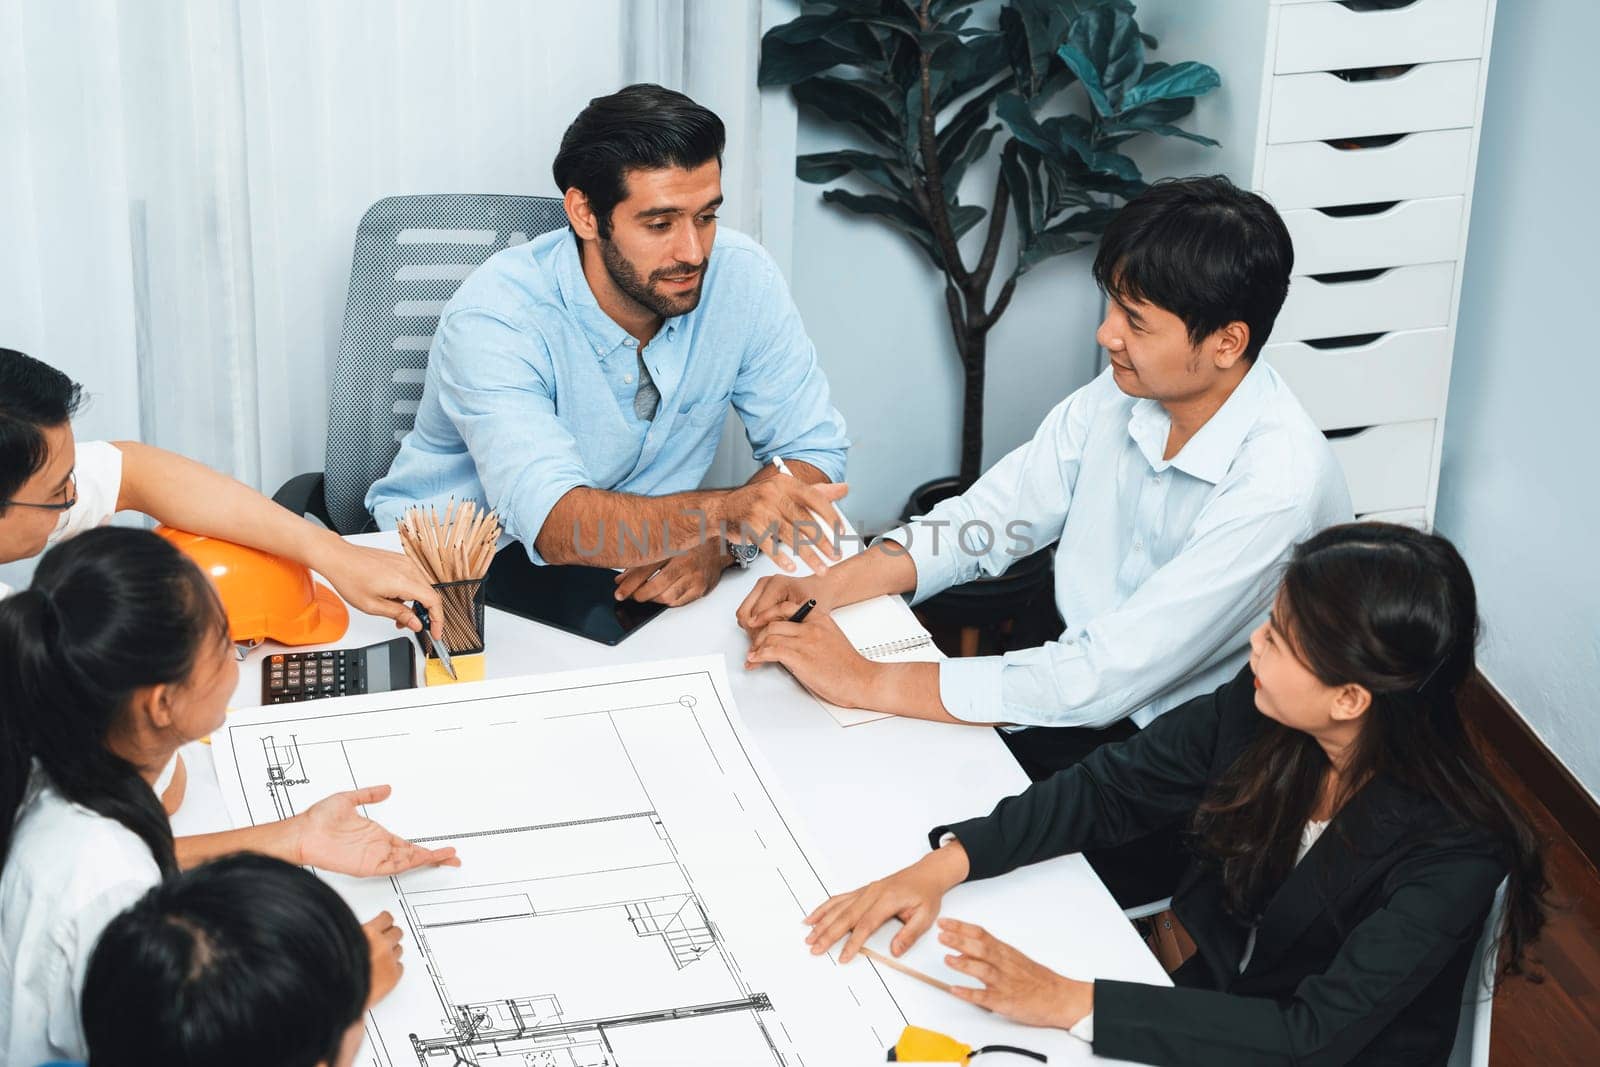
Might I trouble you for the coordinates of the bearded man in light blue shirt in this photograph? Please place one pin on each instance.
(1173, 485)
(578, 384)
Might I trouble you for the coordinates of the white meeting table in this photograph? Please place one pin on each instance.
(863, 797)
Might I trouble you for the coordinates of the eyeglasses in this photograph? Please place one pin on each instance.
(66, 505)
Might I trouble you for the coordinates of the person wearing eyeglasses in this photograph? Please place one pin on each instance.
(53, 487)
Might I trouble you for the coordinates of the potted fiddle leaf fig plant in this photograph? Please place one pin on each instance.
(927, 92)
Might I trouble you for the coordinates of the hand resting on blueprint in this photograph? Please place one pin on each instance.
(333, 835)
(1012, 984)
(384, 951)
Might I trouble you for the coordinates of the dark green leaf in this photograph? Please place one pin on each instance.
(1106, 41)
(964, 217)
(976, 150)
(1019, 52)
(971, 118)
(1014, 112)
(901, 216)
(1130, 125)
(1043, 247)
(1179, 80)
(1073, 132)
(1017, 190)
(785, 64)
(854, 103)
(1093, 221)
(819, 167)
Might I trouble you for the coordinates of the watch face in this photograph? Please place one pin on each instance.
(744, 555)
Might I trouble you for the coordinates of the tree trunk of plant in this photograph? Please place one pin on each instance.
(972, 346)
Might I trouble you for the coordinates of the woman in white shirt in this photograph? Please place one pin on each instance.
(116, 655)
(52, 487)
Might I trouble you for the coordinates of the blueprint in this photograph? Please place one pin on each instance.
(630, 893)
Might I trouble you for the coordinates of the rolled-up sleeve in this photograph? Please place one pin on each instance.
(1183, 619)
(496, 385)
(1018, 507)
(781, 393)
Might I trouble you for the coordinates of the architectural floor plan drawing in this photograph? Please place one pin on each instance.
(630, 893)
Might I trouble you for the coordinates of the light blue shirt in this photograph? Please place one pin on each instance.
(530, 388)
(1162, 567)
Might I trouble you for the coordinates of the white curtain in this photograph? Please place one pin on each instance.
(180, 181)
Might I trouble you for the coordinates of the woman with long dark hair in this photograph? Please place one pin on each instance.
(115, 656)
(1347, 839)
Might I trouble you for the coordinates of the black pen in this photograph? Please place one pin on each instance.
(805, 609)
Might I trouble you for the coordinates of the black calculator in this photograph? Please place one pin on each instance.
(290, 677)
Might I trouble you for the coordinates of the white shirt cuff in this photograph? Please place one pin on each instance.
(1083, 1028)
(970, 688)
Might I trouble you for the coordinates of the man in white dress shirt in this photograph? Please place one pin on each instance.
(1172, 485)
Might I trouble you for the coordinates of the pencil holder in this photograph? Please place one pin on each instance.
(462, 606)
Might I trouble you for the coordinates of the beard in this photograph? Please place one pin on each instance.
(645, 291)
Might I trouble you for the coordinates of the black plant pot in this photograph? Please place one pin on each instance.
(986, 601)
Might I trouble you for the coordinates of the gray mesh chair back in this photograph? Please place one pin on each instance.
(411, 253)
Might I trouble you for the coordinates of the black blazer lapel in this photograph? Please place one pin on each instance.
(1359, 836)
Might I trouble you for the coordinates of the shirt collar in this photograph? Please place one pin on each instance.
(1210, 452)
(601, 329)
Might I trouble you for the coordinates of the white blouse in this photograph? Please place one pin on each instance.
(69, 872)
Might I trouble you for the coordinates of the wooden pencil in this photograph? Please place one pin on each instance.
(910, 972)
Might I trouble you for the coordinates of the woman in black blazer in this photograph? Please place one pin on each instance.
(1348, 947)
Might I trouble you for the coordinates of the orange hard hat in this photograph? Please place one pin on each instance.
(264, 595)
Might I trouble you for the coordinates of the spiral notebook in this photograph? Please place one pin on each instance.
(885, 630)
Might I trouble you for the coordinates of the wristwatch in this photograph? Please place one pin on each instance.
(744, 554)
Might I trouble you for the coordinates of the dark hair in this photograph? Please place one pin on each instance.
(1392, 609)
(247, 961)
(34, 396)
(1203, 249)
(109, 612)
(640, 127)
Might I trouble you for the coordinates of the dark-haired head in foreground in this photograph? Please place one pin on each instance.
(641, 171)
(1195, 271)
(247, 961)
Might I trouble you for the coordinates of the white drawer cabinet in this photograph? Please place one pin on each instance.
(1396, 377)
(1359, 122)
(1324, 105)
(1398, 235)
(1404, 298)
(1331, 36)
(1388, 467)
(1414, 167)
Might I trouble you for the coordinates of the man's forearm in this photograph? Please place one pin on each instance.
(600, 528)
(911, 690)
(878, 570)
(191, 496)
(605, 529)
(797, 467)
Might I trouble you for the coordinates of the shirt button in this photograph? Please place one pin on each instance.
(627, 379)
(630, 342)
(1139, 545)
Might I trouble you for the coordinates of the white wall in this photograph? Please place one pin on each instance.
(1519, 492)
